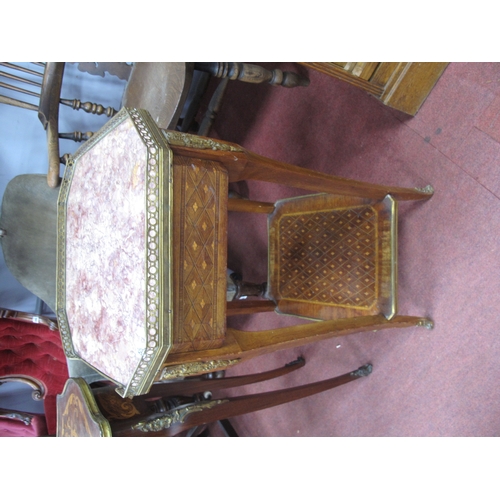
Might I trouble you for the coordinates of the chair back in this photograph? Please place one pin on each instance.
(37, 87)
(32, 353)
(28, 222)
(21, 86)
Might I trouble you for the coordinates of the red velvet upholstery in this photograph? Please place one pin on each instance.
(36, 351)
(10, 427)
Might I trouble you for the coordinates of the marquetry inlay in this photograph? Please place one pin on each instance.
(78, 414)
(200, 284)
(116, 407)
(329, 257)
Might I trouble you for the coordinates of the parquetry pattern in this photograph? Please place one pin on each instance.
(198, 294)
(329, 257)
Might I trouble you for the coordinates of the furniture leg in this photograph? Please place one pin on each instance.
(199, 88)
(244, 345)
(242, 205)
(181, 418)
(257, 343)
(252, 73)
(245, 288)
(213, 108)
(265, 169)
(194, 386)
(243, 165)
(236, 307)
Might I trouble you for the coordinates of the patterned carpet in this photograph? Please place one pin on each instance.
(441, 382)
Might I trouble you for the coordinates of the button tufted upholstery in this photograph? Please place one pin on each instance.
(22, 424)
(33, 350)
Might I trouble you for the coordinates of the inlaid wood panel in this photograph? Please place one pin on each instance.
(329, 257)
(78, 414)
(200, 254)
(332, 257)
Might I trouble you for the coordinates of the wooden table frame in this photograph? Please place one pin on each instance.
(227, 163)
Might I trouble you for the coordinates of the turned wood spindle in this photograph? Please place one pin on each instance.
(89, 107)
(76, 136)
(252, 73)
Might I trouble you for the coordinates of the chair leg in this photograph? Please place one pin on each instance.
(199, 88)
(213, 108)
(205, 412)
(252, 73)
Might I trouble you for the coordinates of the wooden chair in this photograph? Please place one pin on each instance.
(172, 92)
(37, 87)
(161, 88)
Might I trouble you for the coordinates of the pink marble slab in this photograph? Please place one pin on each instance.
(105, 253)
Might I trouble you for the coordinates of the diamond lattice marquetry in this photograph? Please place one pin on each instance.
(197, 290)
(329, 257)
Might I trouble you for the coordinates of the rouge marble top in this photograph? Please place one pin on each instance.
(111, 252)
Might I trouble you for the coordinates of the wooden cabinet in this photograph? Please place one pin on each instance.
(400, 85)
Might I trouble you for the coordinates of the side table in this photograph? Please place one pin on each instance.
(142, 254)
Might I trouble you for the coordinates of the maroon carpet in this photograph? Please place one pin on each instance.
(424, 383)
